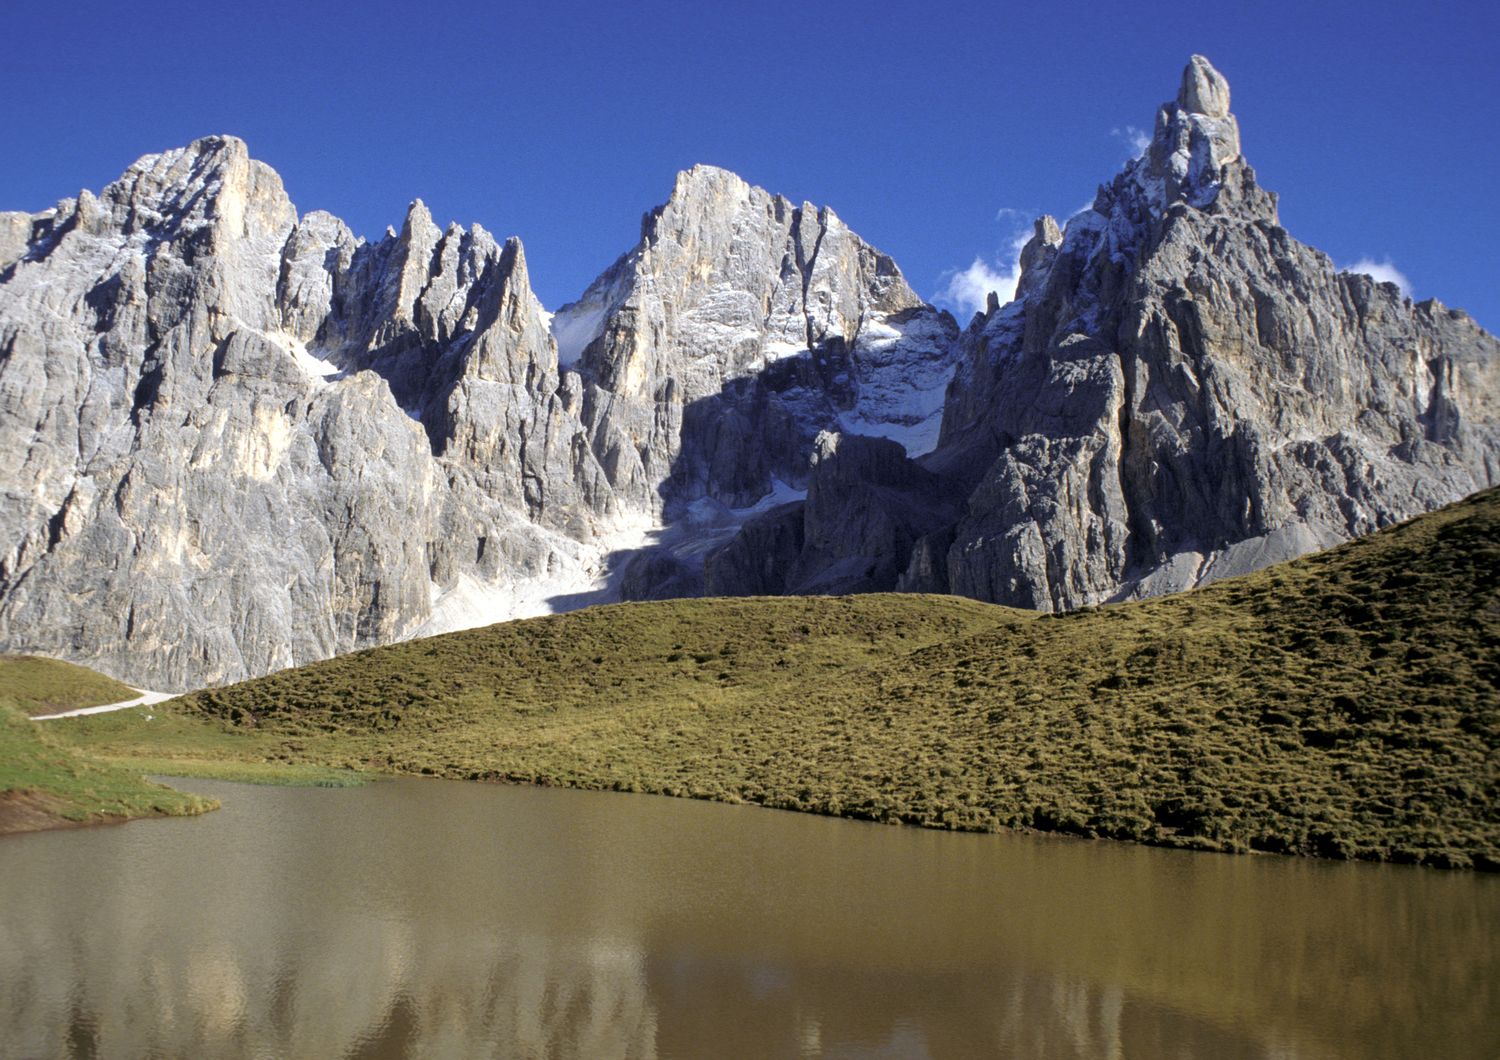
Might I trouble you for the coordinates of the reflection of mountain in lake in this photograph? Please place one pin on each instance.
(380, 990)
(444, 919)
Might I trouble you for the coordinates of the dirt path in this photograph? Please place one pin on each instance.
(144, 699)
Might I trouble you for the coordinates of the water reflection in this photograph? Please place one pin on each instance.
(440, 919)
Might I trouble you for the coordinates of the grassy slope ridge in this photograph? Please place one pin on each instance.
(1343, 705)
(626, 693)
(49, 686)
(44, 783)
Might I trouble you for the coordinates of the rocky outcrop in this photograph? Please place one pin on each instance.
(235, 440)
(738, 328)
(1181, 391)
(1186, 392)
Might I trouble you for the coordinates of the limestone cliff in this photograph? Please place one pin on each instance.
(1181, 391)
(233, 439)
(738, 328)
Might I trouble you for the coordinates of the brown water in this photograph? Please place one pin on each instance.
(440, 919)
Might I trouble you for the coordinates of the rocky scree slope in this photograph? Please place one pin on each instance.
(233, 439)
(1179, 392)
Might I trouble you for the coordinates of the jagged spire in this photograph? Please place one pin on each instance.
(1038, 255)
(1196, 137)
(1204, 90)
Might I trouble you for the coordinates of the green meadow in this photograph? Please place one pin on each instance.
(50, 686)
(45, 783)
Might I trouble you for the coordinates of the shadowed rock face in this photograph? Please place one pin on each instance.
(1182, 392)
(866, 507)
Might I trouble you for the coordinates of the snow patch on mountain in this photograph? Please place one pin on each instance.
(780, 351)
(576, 575)
(320, 371)
(904, 363)
(574, 327)
(708, 512)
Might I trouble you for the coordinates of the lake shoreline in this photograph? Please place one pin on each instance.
(1188, 843)
(316, 775)
(1343, 706)
(28, 812)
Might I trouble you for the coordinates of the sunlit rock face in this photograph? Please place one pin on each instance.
(234, 440)
(1181, 391)
(738, 328)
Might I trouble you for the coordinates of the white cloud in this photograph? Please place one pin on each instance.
(968, 290)
(1136, 138)
(1382, 272)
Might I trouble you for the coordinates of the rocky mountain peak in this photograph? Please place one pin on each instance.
(1037, 257)
(1179, 392)
(418, 225)
(215, 375)
(703, 185)
(1204, 90)
(233, 440)
(736, 296)
(1196, 138)
(212, 181)
(1183, 391)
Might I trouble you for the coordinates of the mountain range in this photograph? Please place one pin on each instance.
(235, 439)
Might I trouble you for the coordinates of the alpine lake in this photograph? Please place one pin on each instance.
(428, 918)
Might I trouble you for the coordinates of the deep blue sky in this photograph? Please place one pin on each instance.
(561, 122)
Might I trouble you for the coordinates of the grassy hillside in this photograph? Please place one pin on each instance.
(50, 686)
(1344, 705)
(44, 783)
(623, 696)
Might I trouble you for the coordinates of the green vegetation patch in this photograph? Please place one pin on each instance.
(281, 774)
(45, 783)
(1344, 705)
(50, 686)
(164, 742)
